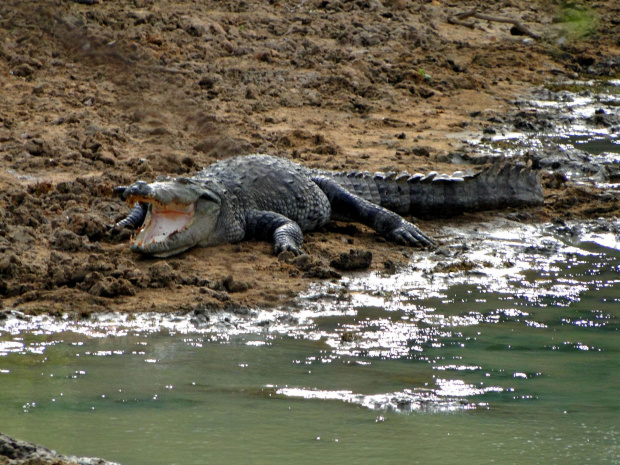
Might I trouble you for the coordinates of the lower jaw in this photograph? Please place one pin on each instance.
(156, 252)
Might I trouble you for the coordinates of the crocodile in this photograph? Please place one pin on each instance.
(270, 198)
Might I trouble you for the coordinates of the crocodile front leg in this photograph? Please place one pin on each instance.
(350, 207)
(273, 227)
(135, 218)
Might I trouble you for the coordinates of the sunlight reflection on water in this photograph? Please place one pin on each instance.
(524, 334)
(381, 316)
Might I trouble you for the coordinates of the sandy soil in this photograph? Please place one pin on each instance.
(99, 95)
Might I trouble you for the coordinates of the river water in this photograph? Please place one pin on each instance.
(515, 360)
(503, 346)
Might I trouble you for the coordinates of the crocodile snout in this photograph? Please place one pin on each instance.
(138, 188)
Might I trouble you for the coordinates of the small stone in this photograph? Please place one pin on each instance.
(443, 251)
(22, 235)
(303, 262)
(23, 70)
(389, 266)
(232, 285)
(155, 39)
(107, 157)
(355, 260)
(421, 151)
(33, 148)
(208, 82)
(251, 92)
(66, 240)
(40, 89)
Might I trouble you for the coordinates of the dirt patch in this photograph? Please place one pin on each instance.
(100, 95)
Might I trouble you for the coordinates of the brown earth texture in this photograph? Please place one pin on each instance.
(96, 94)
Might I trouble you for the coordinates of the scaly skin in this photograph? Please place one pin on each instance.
(270, 198)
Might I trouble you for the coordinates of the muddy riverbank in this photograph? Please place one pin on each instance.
(98, 95)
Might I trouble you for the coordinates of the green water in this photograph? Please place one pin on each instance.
(595, 145)
(472, 368)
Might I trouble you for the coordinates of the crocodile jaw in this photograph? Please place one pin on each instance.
(163, 221)
(168, 229)
(181, 214)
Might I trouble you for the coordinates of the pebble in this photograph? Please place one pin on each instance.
(22, 70)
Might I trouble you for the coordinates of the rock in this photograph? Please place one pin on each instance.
(66, 240)
(223, 146)
(354, 260)
(322, 272)
(197, 27)
(140, 17)
(389, 266)
(110, 287)
(33, 148)
(107, 157)
(232, 285)
(161, 275)
(87, 225)
(209, 81)
(422, 151)
(17, 452)
(22, 235)
(5, 135)
(9, 265)
(311, 267)
(23, 70)
(41, 89)
(425, 92)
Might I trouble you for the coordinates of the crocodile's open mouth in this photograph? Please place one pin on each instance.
(162, 220)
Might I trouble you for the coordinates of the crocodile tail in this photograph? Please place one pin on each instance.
(438, 195)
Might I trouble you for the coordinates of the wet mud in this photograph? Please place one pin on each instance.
(100, 94)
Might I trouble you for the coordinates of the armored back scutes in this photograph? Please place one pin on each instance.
(439, 195)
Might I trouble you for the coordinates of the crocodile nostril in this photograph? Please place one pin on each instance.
(120, 190)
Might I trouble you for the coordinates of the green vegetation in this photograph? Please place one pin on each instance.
(576, 20)
(426, 76)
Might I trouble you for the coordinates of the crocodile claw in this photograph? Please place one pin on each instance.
(280, 247)
(408, 234)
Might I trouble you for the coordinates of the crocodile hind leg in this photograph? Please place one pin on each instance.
(349, 207)
(273, 227)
